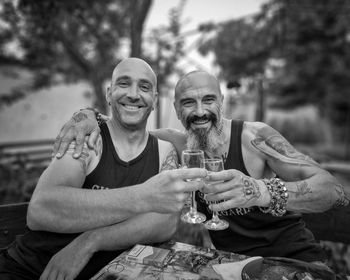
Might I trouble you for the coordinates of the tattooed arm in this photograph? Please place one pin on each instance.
(146, 228)
(310, 188)
(266, 153)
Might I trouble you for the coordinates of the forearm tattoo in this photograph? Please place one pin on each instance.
(270, 142)
(250, 188)
(342, 200)
(79, 117)
(171, 161)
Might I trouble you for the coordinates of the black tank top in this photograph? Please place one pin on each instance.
(34, 249)
(254, 233)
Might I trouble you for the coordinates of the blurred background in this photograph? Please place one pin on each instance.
(286, 63)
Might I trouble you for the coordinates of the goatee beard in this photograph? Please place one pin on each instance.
(205, 140)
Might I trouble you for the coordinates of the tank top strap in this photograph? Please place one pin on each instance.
(234, 158)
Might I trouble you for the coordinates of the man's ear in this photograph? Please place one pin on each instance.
(108, 95)
(155, 101)
(176, 110)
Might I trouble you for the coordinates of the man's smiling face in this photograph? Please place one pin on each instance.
(132, 94)
(198, 105)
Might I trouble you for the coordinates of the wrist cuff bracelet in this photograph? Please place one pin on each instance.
(279, 197)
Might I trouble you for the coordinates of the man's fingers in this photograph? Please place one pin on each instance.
(218, 187)
(93, 137)
(58, 140)
(79, 145)
(222, 206)
(218, 196)
(191, 173)
(64, 146)
(56, 145)
(223, 175)
(191, 186)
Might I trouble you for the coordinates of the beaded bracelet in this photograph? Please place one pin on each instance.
(279, 197)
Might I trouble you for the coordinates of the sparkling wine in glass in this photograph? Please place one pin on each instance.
(193, 159)
(214, 165)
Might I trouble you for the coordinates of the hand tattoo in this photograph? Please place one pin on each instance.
(79, 117)
(302, 189)
(250, 188)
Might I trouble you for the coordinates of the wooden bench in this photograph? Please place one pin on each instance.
(12, 222)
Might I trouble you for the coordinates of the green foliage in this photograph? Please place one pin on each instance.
(312, 40)
(167, 47)
(68, 41)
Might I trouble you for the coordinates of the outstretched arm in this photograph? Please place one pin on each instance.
(141, 229)
(145, 228)
(59, 204)
(310, 188)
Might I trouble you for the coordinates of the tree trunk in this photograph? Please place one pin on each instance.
(260, 106)
(99, 93)
(138, 12)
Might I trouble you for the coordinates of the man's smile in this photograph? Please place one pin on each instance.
(130, 107)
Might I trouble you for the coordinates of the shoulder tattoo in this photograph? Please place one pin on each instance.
(273, 144)
(170, 161)
(83, 159)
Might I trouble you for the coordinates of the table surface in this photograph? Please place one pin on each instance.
(185, 262)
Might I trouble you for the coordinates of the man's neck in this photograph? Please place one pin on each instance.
(128, 143)
(224, 142)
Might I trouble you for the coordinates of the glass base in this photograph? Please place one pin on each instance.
(193, 218)
(216, 225)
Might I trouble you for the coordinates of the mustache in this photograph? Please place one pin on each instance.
(207, 117)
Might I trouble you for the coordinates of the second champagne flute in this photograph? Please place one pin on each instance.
(214, 165)
(192, 159)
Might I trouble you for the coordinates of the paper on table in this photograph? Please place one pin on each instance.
(232, 270)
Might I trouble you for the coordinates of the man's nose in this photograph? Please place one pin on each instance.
(200, 110)
(133, 92)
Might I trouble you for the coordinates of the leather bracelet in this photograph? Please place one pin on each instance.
(100, 120)
(279, 197)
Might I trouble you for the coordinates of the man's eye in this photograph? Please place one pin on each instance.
(188, 103)
(123, 84)
(145, 87)
(209, 100)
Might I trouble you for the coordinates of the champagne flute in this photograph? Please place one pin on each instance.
(192, 159)
(214, 165)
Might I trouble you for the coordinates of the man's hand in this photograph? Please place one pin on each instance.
(235, 189)
(168, 191)
(80, 125)
(69, 261)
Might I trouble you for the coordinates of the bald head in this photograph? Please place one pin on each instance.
(195, 80)
(133, 64)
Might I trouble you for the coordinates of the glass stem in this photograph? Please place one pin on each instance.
(193, 209)
(215, 216)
